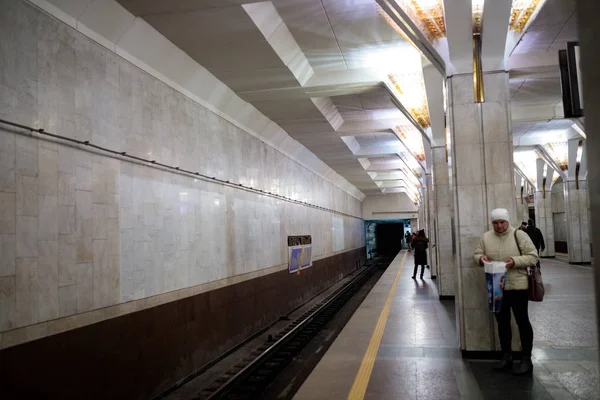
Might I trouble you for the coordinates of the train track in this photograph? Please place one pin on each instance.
(249, 378)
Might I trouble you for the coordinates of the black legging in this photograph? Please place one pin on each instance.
(417, 269)
(517, 300)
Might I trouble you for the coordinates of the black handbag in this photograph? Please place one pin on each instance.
(534, 276)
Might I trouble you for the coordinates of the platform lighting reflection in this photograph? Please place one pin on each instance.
(412, 139)
(522, 12)
(526, 161)
(410, 90)
(559, 151)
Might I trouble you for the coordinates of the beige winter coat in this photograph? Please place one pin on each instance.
(502, 246)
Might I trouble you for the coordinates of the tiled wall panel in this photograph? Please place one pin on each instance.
(81, 231)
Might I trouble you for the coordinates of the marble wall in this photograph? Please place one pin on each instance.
(80, 231)
(482, 167)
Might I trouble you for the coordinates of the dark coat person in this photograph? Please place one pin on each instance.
(536, 236)
(420, 244)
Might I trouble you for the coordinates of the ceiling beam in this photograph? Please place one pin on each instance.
(536, 113)
(496, 15)
(550, 161)
(271, 25)
(459, 31)
(413, 33)
(434, 87)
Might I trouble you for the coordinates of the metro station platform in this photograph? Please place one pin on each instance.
(402, 344)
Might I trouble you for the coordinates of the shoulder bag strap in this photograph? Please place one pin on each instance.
(517, 240)
(520, 253)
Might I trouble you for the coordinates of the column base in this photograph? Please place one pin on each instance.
(547, 256)
(580, 262)
(434, 277)
(487, 355)
(447, 297)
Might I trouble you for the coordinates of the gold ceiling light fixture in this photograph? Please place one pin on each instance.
(413, 140)
(559, 151)
(411, 179)
(412, 95)
(414, 166)
(526, 161)
(522, 12)
(392, 24)
(427, 15)
(477, 9)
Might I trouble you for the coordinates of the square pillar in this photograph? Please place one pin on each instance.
(578, 226)
(446, 269)
(482, 167)
(430, 227)
(544, 221)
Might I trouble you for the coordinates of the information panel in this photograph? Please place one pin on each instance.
(299, 253)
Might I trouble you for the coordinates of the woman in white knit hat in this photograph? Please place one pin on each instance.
(500, 244)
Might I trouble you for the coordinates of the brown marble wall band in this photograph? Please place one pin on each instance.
(139, 355)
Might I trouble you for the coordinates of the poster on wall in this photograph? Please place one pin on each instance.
(299, 253)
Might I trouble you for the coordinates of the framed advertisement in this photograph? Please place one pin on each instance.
(299, 253)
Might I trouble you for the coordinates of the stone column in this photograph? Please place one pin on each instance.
(578, 227)
(589, 31)
(523, 203)
(576, 207)
(543, 207)
(443, 205)
(482, 157)
(430, 227)
(422, 208)
(520, 198)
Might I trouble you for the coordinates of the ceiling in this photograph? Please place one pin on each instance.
(539, 85)
(312, 67)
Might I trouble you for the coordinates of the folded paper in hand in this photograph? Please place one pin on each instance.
(495, 274)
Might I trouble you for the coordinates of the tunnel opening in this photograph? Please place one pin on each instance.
(385, 239)
(389, 239)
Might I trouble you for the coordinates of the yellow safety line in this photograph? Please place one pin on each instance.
(363, 376)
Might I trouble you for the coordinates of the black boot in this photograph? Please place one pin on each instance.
(525, 367)
(505, 363)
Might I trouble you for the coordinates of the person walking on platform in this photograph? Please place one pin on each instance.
(536, 237)
(500, 244)
(420, 243)
(523, 226)
(407, 237)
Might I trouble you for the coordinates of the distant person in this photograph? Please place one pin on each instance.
(536, 237)
(523, 226)
(407, 237)
(500, 244)
(420, 243)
